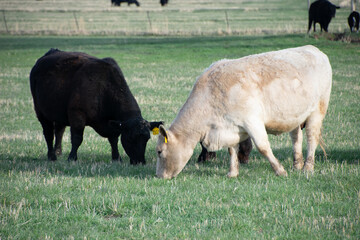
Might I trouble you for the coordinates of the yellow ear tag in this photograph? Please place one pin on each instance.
(155, 131)
(165, 139)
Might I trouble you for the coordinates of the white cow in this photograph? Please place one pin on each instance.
(233, 100)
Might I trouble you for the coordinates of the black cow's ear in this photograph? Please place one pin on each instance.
(116, 124)
(155, 125)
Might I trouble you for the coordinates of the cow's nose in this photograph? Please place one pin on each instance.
(163, 175)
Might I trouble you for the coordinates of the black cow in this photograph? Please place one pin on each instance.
(353, 21)
(77, 90)
(118, 2)
(321, 11)
(163, 2)
(245, 148)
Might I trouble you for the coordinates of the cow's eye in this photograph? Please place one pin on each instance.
(159, 152)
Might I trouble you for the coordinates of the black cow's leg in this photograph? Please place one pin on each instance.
(245, 148)
(114, 148)
(326, 25)
(205, 155)
(48, 131)
(59, 132)
(309, 26)
(76, 140)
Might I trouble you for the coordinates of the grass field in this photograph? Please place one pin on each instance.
(95, 198)
(185, 17)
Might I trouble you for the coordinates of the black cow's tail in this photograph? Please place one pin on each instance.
(309, 27)
(322, 145)
(33, 85)
(33, 73)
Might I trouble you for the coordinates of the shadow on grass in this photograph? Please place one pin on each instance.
(98, 165)
(258, 163)
(350, 156)
(72, 43)
(88, 165)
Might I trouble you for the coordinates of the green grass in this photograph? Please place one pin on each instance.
(97, 199)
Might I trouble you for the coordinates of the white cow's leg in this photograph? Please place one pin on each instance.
(234, 163)
(297, 139)
(313, 131)
(260, 138)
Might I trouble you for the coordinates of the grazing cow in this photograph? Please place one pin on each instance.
(77, 90)
(321, 11)
(163, 2)
(118, 2)
(245, 148)
(253, 96)
(353, 21)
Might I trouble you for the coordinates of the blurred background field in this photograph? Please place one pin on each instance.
(186, 17)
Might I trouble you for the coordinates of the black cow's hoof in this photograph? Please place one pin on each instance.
(52, 159)
(117, 159)
(71, 159)
(52, 156)
(58, 152)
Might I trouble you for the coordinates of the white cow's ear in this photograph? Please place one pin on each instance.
(164, 133)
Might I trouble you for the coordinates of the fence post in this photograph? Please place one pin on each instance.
(148, 16)
(7, 30)
(353, 5)
(77, 24)
(227, 22)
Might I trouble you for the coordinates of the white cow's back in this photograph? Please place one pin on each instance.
(282, 88)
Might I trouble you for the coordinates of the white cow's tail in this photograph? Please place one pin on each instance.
(322, 145)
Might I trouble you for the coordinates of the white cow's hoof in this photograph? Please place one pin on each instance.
(232, 174)
(308, 168)
(298, 165)
(281, 172)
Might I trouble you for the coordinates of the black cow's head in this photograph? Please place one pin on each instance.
(163, 2)
(135, 134)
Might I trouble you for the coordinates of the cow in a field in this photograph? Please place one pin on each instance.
(77, 90)
(353, 20)
(269, 93)
(321, 11)
(118, 2)
(164, 2)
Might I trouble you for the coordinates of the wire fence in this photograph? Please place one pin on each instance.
(161, 21)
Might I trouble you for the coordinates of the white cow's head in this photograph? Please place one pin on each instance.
(172, 154)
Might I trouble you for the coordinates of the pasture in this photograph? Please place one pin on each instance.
(187, 17)
(95, 198)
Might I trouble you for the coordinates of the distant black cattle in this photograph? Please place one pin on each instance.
(245, 148)
(353, 21)
(118, 2)
(163, 2)
(321, 11)
(77, 90)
